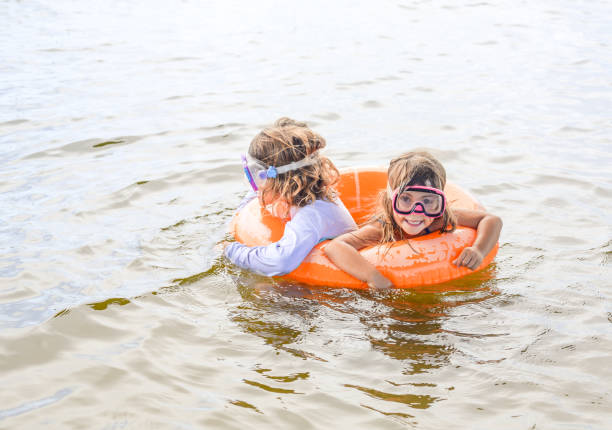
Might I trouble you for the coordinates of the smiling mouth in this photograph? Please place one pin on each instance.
(414, 223)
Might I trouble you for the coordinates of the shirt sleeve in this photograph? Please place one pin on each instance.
(301, 234)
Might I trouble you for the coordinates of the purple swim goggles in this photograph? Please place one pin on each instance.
(257, 172)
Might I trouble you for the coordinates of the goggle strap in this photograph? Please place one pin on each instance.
(272, 171)
(306, 161)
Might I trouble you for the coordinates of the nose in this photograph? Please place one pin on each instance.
(414, 208)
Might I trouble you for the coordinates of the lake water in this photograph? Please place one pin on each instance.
(121, 125)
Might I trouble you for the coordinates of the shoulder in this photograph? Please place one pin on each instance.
(326, 204)
(373, 230)
(309, 216)
(323, 208)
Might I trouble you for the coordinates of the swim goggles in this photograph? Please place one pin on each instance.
(257, 172)
(428, 201)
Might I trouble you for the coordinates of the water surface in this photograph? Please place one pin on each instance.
(121, 126)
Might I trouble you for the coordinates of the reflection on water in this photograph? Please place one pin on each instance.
(404, 325)
(412, 400)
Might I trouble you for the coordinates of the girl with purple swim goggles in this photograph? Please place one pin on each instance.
(292, 180)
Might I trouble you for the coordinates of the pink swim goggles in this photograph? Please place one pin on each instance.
(428, 201)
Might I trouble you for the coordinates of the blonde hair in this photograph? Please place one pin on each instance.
(411, 168)
(288, 141)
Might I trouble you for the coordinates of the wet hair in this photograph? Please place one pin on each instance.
(411, 168)
(288, 141)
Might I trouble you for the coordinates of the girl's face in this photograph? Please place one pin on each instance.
(417, 207)
(413, 224)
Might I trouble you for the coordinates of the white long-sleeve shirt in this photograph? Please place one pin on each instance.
(310, 225)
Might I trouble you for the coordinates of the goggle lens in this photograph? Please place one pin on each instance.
(429, 201)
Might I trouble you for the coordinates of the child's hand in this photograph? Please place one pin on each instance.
(470, 257)
(379, 282)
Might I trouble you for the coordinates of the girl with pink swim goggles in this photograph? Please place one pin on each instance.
(413, 205)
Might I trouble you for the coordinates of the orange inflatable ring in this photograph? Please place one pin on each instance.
(358, 189)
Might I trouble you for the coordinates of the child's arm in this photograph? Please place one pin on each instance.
(343, 252)
(487, 227)
(282, 257)
(308, 227)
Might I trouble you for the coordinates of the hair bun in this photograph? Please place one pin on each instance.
(287, 122)
(317, 143)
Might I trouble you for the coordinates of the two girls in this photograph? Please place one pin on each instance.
(292, 179)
